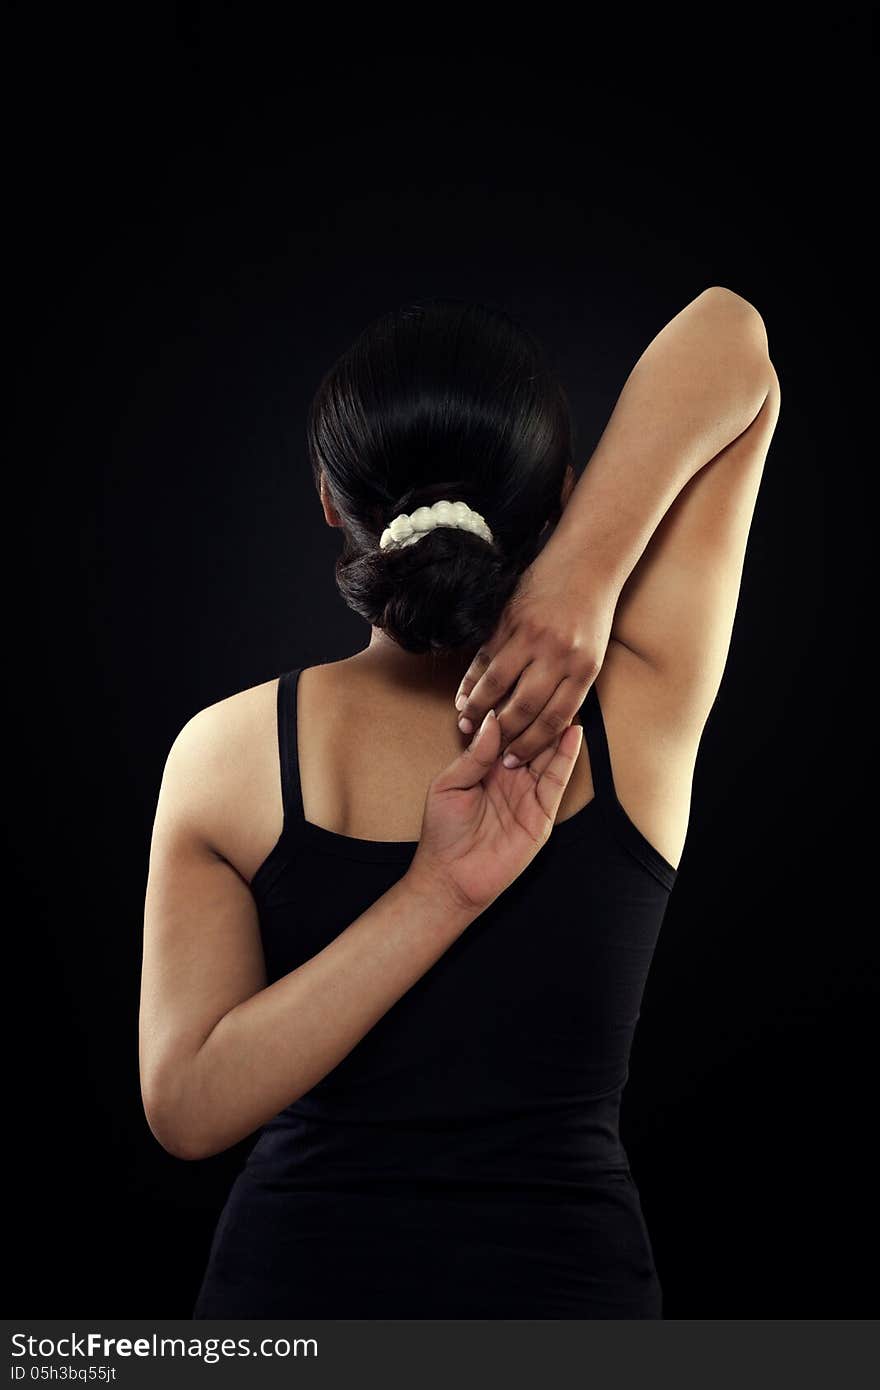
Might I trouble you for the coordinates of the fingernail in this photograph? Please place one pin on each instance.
(510, 760)
(460, 701)
(465, 725)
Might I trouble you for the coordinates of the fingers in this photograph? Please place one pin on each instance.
(538, 763)
(534, 702)
(538, 708)
(532, 718)
(471, 766)
(488, 679)
(557, 770)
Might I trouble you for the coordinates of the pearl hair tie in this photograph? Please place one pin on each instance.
(407, 528)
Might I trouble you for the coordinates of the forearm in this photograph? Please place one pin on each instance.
(275, 1046)
(698, 385)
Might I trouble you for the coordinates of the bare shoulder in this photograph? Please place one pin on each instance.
(223, 771)
(219, 734)
(225, 756)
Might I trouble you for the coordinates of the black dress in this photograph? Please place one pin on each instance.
(464, 1159)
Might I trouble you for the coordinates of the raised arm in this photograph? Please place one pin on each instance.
(221, 1052)
(697, 387)
(649, 550)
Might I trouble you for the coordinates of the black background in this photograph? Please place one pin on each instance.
(203, 214)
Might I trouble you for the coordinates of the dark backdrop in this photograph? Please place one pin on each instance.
(203, 220)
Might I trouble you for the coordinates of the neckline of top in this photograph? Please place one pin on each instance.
(296, 830)
(355, 846)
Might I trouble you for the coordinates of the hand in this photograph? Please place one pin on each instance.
(483, 824)
(545, 653)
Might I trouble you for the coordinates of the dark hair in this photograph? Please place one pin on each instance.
(440, 399)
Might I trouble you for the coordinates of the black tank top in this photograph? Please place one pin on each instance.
(464, 1159)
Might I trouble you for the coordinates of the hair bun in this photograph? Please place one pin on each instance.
(435, 401)
(445, 593)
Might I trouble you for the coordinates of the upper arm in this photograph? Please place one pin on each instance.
(202, 948)
(677, 609)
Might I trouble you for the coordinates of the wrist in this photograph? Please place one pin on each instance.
(439, 906)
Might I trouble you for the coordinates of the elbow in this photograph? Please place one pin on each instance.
(180, 1144)
(719, 294)
(738, 325)
(740, 311)
(176, 1137)
(172, 1121)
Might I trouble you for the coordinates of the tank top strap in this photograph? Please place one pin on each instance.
(291, 790)
(616, 817)
(597, 747)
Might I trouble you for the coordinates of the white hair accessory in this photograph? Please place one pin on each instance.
(407, 528)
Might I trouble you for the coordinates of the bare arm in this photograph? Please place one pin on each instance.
(221, 1052)
(697, 386)
(649, 550)
(678, 607)
(669, 496)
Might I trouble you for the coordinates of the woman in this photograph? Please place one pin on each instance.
(415, 969)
